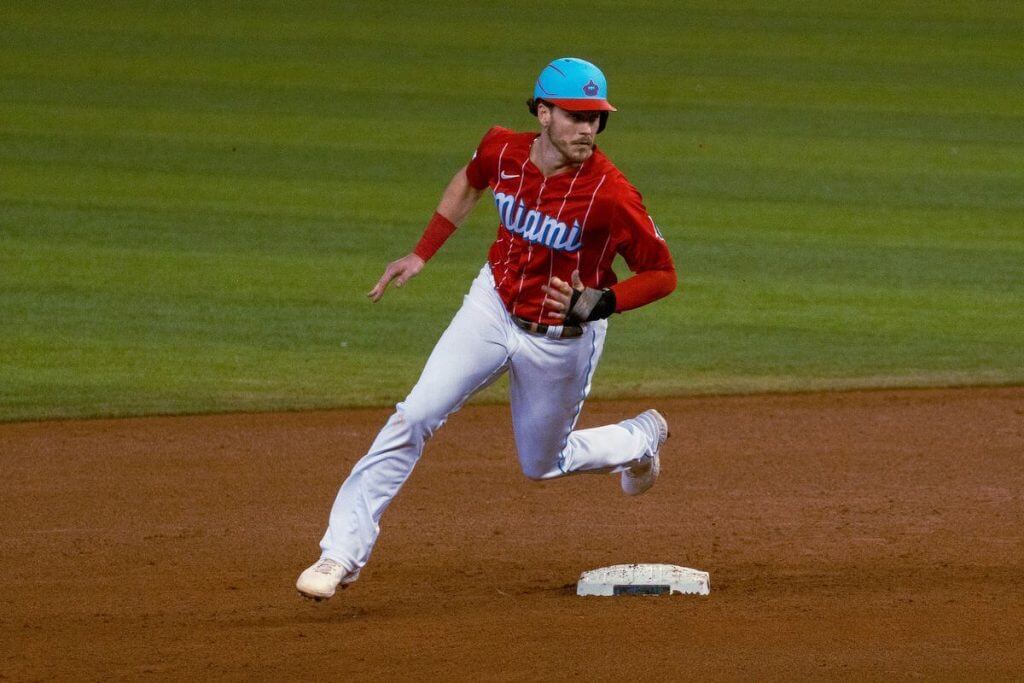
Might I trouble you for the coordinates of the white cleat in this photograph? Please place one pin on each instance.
(641, 476)
(321, 580)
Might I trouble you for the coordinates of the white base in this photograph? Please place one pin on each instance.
(643, 579)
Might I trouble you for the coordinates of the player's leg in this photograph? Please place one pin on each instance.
(549, 381)
(469, 355)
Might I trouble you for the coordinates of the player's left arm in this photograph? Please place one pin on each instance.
(575, 302)
(645, 251)
(642, 245)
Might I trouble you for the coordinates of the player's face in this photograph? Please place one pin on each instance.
(572, 132)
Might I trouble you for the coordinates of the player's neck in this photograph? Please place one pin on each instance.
(548, 158)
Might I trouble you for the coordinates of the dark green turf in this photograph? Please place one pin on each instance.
(194, 198)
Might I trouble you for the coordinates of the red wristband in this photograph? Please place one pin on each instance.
(438, 230)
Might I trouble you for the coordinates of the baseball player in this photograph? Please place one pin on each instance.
(538, 310)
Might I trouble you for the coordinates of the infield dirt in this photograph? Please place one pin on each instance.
(861, 534)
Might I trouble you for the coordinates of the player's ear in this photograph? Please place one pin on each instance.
(543, 112)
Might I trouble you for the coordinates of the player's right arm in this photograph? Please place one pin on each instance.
(456, 203)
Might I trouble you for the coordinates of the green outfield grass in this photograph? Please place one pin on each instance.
(194, 198)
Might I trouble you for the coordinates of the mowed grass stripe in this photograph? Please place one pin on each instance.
(30, 132)
(840, 149)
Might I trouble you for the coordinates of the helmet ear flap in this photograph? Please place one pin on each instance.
(604, 121)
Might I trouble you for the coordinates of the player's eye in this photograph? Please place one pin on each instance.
(584, 117)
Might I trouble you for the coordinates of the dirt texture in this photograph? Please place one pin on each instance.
(853, 535)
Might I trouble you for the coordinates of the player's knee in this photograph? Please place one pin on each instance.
(539, 469)
(534, 474)
(418, 419)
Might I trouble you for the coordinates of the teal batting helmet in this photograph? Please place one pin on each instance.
(574, 85)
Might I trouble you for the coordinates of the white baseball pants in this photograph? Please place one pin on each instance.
(549, 380)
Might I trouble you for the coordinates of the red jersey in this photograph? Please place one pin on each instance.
(574, 220)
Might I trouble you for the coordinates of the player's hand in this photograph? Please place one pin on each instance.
(401, 271)
(558, 294)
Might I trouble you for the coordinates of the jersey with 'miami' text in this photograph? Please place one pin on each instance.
(577, 219)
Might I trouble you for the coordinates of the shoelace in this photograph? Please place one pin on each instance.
(326, 567)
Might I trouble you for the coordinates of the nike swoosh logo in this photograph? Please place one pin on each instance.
(508, 176)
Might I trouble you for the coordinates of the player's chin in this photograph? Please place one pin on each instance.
(580, 152)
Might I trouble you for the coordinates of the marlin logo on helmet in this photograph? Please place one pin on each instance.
(591, 89)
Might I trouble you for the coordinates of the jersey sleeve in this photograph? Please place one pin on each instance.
(645, 252)
(639, 240)
(482, 170)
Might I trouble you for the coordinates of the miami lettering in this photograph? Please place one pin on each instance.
(534, 226)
